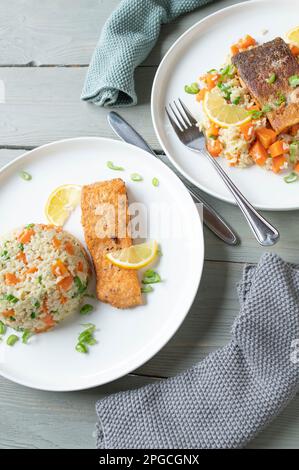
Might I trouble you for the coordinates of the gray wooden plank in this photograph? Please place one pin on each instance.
(51, 97)
(66, 32)
(46, 420)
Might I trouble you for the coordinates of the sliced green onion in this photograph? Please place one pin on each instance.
(151, 277)
(25, 336)
(237, 100)
(294, 81)
(12, 339)
(21, 246)
(212, 71)
(294, 147)
(5, 255)
(29, 226)
(281, 99)
(111, 166)
(2, 328)
(192, 89)
(36, 304)
(25, 176)
(267, 109)
(91, 341)
(146, 289)
(11, 298)
(229, 70)
(89, 326)
(80, 286)
(155, 182)
(226, 90)
(81, 348)
(136, 177)
(33, 315)
(291, 178)
(256, 114)
(39, 279)
(87, 308)
(271, 79)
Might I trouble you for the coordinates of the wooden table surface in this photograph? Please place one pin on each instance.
(45, 48)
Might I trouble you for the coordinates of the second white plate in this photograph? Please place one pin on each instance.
(201, 48)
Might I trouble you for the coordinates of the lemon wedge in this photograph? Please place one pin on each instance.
(134, 257)
(292, 36)
(222, 113)
(62, 202)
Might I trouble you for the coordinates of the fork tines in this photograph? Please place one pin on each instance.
(180, 116)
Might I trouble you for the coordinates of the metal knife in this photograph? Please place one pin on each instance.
(211, 218)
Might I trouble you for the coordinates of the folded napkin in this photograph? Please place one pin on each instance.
(225, 400)
(127, 38)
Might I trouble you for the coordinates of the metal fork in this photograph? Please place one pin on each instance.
(186, 128)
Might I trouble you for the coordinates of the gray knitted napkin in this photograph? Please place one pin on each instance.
(225, 400)
(127, 38)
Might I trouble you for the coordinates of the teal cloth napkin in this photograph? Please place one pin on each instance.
(127, 38)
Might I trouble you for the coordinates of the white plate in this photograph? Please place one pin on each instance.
(201, 48)
(126, 338)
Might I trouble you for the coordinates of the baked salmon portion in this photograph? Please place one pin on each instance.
(265, 71)
(105, 221)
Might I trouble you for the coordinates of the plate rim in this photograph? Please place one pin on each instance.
(197, 226)
(155, 100)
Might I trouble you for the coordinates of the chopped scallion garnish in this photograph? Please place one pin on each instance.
(151, 277)
(25, 336)
(291, 178)
(136, 177)
(2, 328)
(87, 308)
(271, 79)
(146, 289)
(12, 339)
(294, 81)
(192, 89)
(111, 166)
(155, 182)
(25, 176)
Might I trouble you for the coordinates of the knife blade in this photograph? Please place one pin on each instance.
(211, 218)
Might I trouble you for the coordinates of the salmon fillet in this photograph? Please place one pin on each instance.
(256, 65)
(106, 231)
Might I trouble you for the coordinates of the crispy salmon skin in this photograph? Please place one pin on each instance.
(256, 65)
(107, 231)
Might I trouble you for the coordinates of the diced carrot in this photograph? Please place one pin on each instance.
(211, 80)
(65, 283)
(296, 167)
(49, 320)
(45, 308)
(258, 153)
(32, 270)
(59, 269)
(11, 279)
(294, 129)
(277, 149)
(234, 49)
(63, 300)
(247, 130)
(277, 163)
(26, 236)
(246, 42)
(213, 130)
(201, 94)
(56, 243)
(214, 147)
(266, 136)
(69, 248)
(80, 267)
(8, 313)
(22, 257)
(294, 50)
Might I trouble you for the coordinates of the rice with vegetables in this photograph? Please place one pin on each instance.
(253, 141)
(44, 272)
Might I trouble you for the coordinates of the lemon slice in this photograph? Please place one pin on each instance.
(61, 203)
(292, 36)
(134, 257)
(223, 114)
